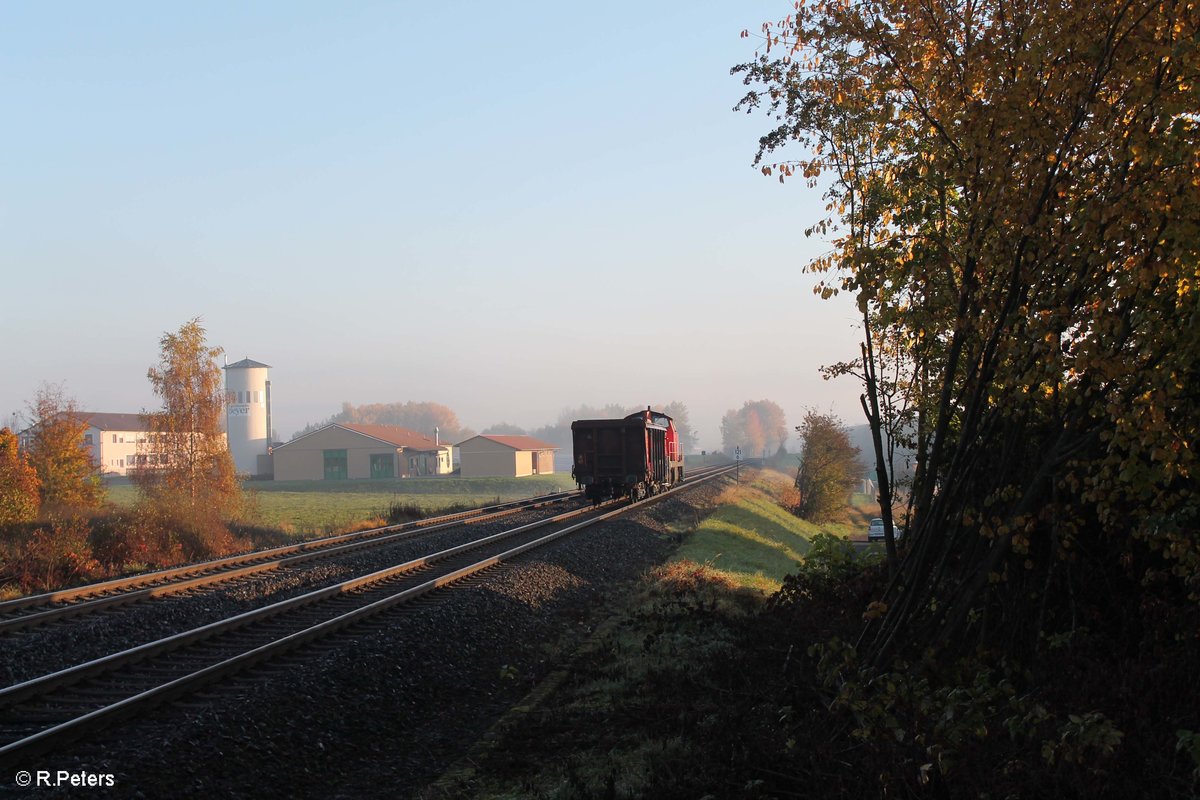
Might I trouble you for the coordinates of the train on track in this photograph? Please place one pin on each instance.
(633, 457)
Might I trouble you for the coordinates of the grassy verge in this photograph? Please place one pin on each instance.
(305, 508)
(639, 712)
(751, 540)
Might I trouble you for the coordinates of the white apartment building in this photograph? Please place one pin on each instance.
(112, 441)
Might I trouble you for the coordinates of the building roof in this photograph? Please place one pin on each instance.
(394, 434)
(518, 442)
(388, 434)
(114, 422)
(246, 363)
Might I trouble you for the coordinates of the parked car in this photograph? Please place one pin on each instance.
(875, 531)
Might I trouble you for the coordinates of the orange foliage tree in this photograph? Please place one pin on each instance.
(759, 427)
(69, 479)
(422, 417)
(189, 467)
(1012, 192)
(18, 482)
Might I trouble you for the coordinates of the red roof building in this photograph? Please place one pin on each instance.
(347, 451)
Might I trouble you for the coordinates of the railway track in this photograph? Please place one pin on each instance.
(40, 714)
(27, 612)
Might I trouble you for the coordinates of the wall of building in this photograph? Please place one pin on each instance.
(304, 459)
(489, 464)
(112, 451)
(483, 458)
(294, 464)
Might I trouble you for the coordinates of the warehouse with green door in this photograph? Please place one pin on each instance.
(345, 451)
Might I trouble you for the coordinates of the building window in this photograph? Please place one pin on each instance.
(87, 439)
(114, 438)
(383, 465)
(335, 465)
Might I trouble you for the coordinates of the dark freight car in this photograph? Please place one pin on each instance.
(633, 457)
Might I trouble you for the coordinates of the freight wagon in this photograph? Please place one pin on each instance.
(633, 457)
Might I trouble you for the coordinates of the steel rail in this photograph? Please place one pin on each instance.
(70, 675)
(129, 706)
(180, 579)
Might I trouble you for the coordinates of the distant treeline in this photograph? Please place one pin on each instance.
(425, 416)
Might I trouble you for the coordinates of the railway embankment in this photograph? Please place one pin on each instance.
(702, 688)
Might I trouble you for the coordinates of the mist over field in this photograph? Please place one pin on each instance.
(298, 182)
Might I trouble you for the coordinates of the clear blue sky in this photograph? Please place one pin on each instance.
(505, 208)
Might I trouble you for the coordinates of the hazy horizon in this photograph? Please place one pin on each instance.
(508, 211)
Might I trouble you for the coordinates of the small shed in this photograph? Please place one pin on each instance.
(346, 451)
(505, 456)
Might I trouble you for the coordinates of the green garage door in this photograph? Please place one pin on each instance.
(383, 465)
(335, 465)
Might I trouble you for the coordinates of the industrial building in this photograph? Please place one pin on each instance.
(346, 451)
(505, 456)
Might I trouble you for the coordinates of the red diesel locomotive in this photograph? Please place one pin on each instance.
(633, 457)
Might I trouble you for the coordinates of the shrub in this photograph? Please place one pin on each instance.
(398, 513)
(123, 539)
(202, 538)
(53, 557)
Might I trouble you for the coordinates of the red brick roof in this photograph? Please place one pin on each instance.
(394, 434)
(520, 442)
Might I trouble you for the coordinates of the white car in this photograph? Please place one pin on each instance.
(875, 532)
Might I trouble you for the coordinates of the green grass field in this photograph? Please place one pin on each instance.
(317, 507)
(755, 542)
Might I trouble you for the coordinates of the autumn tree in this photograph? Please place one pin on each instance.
(188, 463)
(504, 429)
(829, 469)
(417, 416)
(68, 478)
(759, 427)
(19, 489)
(1012, 191)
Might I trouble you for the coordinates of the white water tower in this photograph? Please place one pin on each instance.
(248, 415)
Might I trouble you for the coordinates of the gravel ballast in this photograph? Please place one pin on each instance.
(38, 651)
(383, 709)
